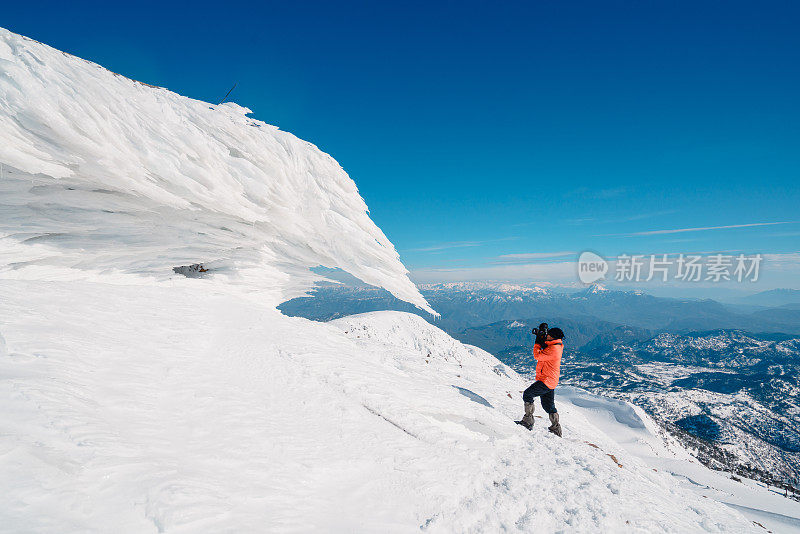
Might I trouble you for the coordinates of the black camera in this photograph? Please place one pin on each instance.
(541, 334)
(541, 331)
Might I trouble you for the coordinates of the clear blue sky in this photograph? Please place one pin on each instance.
(477, 130)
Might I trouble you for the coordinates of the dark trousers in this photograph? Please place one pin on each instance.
(548, 396)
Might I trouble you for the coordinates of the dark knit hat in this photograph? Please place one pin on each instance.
(555, 333)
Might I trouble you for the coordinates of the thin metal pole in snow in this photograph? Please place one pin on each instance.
(226, 94)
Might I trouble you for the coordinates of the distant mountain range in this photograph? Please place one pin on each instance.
(465, 305)
(774, 298)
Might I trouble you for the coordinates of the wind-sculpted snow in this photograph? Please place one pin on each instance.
(104, 174)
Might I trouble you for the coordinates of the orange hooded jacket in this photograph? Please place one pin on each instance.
(548, 362)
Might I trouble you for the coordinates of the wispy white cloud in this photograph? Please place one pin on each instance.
(786, 262)
(579, 221)
(696, 229)
(527, 257)
(572, 222)
(598, 194)
(553, 272)
(785, 234)
(611, 192)
(648, 215)
(445, 246)
(682, 240)
(457, 244)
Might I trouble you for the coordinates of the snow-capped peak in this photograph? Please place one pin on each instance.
(594, 289)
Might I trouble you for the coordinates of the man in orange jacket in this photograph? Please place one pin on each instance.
(548, 369)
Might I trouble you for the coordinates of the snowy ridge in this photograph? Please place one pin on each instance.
(104, 174)
(500, 287)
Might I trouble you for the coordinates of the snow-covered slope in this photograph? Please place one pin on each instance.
(105, 174)
(175, 409)
(137, 400)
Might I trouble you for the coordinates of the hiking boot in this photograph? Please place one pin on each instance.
(555, 426)
(527, 419)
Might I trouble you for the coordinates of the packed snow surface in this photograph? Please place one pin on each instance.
(138, 400)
